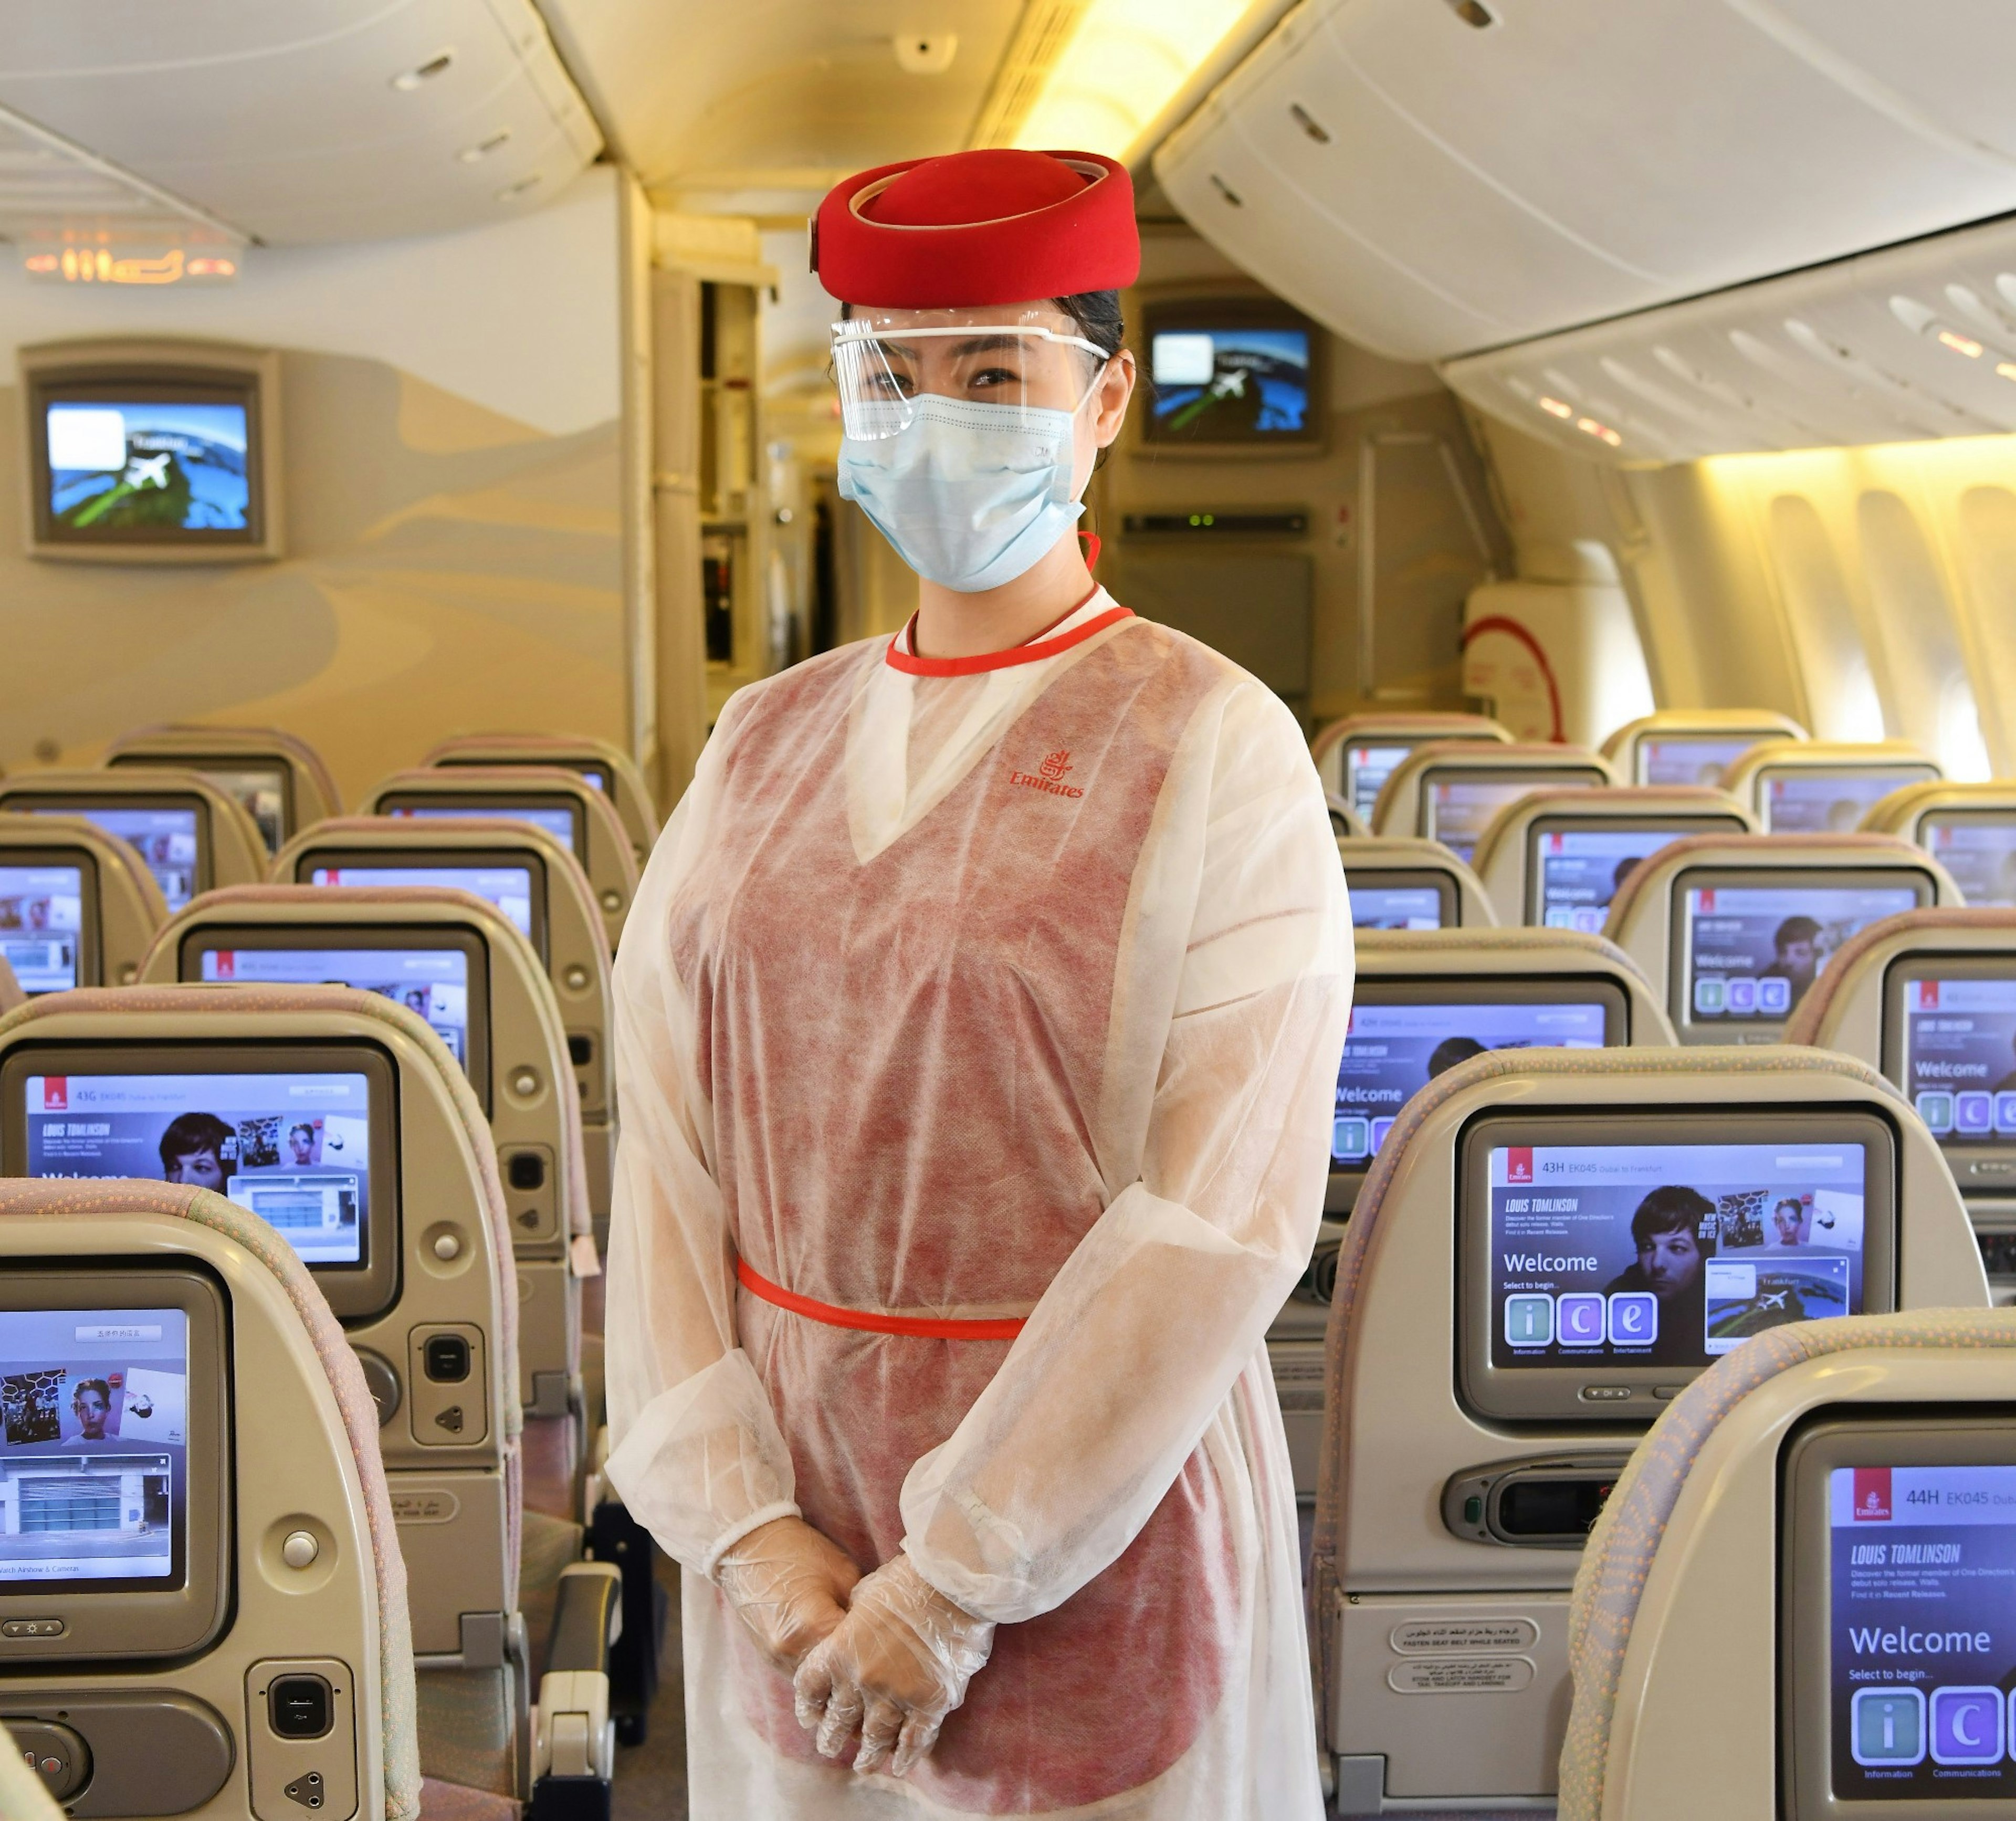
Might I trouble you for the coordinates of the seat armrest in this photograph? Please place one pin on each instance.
(573, 1736)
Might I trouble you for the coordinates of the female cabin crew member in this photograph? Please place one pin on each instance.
(978, 1035)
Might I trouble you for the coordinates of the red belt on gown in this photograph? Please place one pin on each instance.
(926, 1328)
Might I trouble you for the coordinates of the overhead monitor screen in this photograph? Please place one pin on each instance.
(1753, 951)
(141, 468)
(1228, 383)
(509, 888)
(1581, 869)
(293, 1149)
(1394, 1051)
(556, 820)
(1812, 800)
(432, 982)
(1668, 1254)
(41, 925)
(1979, 850)
(166, 839)
(1459, 809)
(1692, 758)
(1922, 1633)
(1366, 771)
(94, 1468)
(1396, 906)
(1960, 1057)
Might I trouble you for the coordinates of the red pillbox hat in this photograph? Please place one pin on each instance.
(995, 226)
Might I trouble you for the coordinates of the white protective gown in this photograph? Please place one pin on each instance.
(973, 990)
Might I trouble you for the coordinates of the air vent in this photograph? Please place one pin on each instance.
(1472, 13)
(1226, 190)
(407, 81)
(1303, 119)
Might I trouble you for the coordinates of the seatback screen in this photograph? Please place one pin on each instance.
(1459, 809)
(1668, 1254)
(1577, 872)
(509, 888)
(432, 982)
(1394, 1051)
(556, 820)
(41, 925)
(94, 1481)
(1922, 1632)
(261, 789)
(1980, 852)
(166, 839)
(1815, 800)
(1396, 907)
(1960, 1057)
(293, 1149)
(1366, 770)
(1754, 950)
(1687, 759)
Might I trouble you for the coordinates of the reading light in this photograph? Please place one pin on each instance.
(1959, 344)
(1602, 432)
(407, 81)
(1554, 408)
(2005, 370)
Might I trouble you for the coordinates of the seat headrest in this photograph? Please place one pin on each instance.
(1812, 1009)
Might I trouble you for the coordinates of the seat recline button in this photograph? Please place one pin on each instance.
(300, 1549)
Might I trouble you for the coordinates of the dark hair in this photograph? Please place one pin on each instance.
(301, 1126)
(1673, 1209)
(1792, 1202)
(1098, 317)
(1450, 1051)
(98, 1385)
(1796, 929)
(191, 1132)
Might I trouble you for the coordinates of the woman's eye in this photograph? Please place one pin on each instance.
(892, 385)
(990, 376)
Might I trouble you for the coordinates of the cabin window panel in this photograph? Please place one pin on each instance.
(1988, 560)
(1841, 689)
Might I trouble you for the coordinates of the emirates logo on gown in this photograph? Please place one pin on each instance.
(1049, 777)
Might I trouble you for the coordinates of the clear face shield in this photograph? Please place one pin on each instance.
(886, 362)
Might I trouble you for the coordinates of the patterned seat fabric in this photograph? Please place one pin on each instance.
(1502, 939)
(1626, 1538)
(1822, 994)
(64, 1200)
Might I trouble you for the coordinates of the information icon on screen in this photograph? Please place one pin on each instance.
(1887, 1726)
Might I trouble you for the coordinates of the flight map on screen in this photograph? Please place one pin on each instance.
(41, 923)
(1668, 1254)
(1922, 1632)
(433, 981)
(1396, 907)
(509, 888)
(1229, 384)
(1960, 1059)
(1393, 1051)
(1753, 951)
(166, 839)
(148, 467)
(1813, 801)
(1980, 856)
(94, 1468)
(294, 1149)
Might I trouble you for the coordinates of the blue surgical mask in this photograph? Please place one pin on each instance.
(969, 494)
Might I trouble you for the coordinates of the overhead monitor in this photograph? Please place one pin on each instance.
(559, 815)
(1417, 898)
(1831, 799)
(113, 1463)
(1751, 942)
(1897, 1617)
(1978, 848)
(1232, 373)
(167, 832)
(515, 882)
(1685, 760)
(441, 974)
(1458, 801)
(1576, 864)
(302, 1139)
(264, 791)
(1405, 1032)
(1950, 1040)
(46, 910)
(1607, 1258)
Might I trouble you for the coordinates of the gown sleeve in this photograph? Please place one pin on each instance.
(1136, 1343)
(697, 1453)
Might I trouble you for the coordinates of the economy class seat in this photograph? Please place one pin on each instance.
(1424, 1001)
(1485, 1387)
(1929, 999)
(605, 765)
(1409, 884)
(558, 912)
(506, 1022)
(192, 836)
(278, 1677)
(1449, 791)
(1704, 1649)
(571, 809)
(1345, 821)
(1736, 929)
(11, 994)
(1969, 829)
(1557, 857)
(79, 907)
(280, 781)
(1354, 756)
(1823, 787)
(1693, 746)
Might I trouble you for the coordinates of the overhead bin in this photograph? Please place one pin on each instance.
(1429, 185)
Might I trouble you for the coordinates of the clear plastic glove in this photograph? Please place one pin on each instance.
(790, 1584)
(893, 1670)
